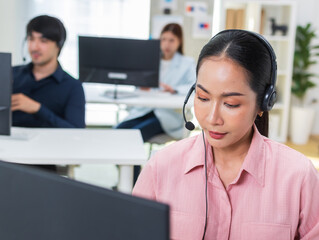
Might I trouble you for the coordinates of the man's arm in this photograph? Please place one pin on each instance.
(21, 102)
(74, 111)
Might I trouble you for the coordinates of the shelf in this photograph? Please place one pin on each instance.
(274, 38)
(282, 72)
(255, 15)
(278, 106)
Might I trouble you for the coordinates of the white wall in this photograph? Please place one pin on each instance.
(115, 18)
(192, 45)
(11, 28)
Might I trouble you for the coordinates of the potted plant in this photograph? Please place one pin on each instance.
(301, 114)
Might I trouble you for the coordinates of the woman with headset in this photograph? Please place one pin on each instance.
(231, 181)
(177, 74)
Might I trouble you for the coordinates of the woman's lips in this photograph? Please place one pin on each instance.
(217, 135)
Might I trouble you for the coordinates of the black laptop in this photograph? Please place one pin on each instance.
(35, 204)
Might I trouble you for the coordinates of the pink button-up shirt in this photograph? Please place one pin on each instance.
(274, 196)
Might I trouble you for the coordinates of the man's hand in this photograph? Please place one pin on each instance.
(21, 102)
(145, 88)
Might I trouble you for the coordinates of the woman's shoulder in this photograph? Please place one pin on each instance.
(179, 151)
(185, 59)
(182, 144)
(290, 159)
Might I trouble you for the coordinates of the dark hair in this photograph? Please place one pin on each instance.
(249, 52)
(50, 28)
(177, 30)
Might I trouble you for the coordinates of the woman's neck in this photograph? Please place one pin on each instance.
(168, 57)
(235, 153)
(229, 161)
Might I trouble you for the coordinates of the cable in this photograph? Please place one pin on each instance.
(190, 126)
(206, 200)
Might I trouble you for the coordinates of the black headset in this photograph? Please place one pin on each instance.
(270, 92)
(266, 105)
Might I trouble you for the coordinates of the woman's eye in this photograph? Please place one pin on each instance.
(202, 99)
(232, 106)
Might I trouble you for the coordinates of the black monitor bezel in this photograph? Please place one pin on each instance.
(93, 53)
(5, 93)
(35, 204)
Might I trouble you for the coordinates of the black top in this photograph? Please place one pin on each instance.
(61, 97)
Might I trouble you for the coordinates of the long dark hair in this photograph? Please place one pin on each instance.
(177, 30)
(248, 51)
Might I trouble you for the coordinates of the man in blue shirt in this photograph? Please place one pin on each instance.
(44, 95)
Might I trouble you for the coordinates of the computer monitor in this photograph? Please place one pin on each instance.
(35, 204)
(119, 61)
(5, 93)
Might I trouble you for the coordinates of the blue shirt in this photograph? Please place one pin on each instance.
(61, 97)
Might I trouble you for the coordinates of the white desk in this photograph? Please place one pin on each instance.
(94, 93)
(77, 146)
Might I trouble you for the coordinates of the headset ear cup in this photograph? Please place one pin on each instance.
(272, 100)
(269, 99)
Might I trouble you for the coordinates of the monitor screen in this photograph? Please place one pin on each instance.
(119, 61)
(5, 93)
(35, 204)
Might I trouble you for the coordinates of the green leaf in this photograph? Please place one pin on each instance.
(304, 58)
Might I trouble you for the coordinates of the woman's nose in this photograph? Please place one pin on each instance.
(215, 116)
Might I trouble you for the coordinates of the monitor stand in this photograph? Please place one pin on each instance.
(116, 94)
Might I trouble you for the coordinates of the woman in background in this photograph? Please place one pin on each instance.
(177, 74)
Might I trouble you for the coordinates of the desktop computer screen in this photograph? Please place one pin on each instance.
(35, 204)
(5, 93)
(119, 61)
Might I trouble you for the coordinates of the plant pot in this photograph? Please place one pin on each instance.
(301, 120)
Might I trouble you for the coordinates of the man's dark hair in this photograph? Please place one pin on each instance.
(50, 28)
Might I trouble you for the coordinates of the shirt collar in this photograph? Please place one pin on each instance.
(57, 75)
(254, 162)
(176, 59)
(197, 156)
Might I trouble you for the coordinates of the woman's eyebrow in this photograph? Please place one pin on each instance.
(226, 94)
(201, 87)
(229, 94)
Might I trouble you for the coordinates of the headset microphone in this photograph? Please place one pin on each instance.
(23, 50)
(188, 124)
